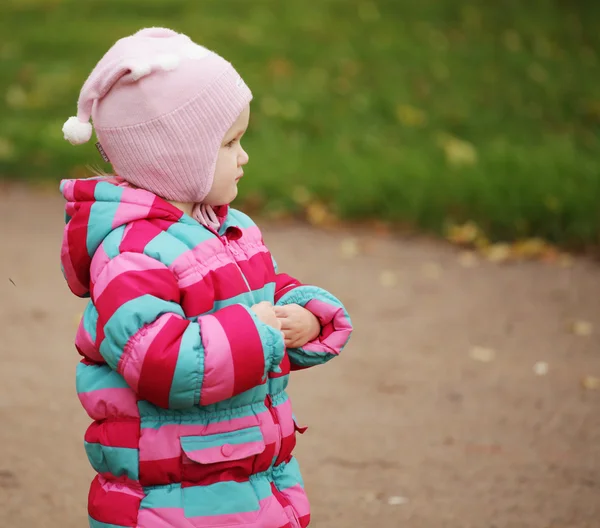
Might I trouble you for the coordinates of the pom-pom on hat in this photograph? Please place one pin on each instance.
(160, 105)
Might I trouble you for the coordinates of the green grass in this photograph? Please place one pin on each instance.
(360, 102)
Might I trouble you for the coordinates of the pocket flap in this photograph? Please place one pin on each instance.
(235, 445)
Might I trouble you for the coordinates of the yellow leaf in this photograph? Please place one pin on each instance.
(301, 195)
(459, 152)
(317, 214)
(591, 382)
(566, 261)
(581, 328)
(530, 248)
(410, 116)
(464, 234)
(498, 252)
(482, 354)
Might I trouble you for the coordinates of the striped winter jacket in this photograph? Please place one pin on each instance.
(192, 425)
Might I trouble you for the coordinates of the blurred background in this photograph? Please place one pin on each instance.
(470, 393)
(422, 113)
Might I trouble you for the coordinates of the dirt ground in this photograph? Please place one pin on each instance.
(405, 429)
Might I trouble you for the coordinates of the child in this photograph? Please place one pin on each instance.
(184, 338)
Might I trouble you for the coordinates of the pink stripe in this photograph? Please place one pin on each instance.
(76, 287)
(102, 403)
(297, 496)
(271, 514)
(134, 353)
(134, 204)
(214, 454)
(163, 443)
(99, 260)
(219, 376)
(329, 315)
(205, 251)
(284, 411)
(86, 345)
(122, 264)
(126, 486)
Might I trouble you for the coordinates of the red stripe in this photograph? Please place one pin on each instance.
(77, 230)
(112, 507)
(304, 521)
(284, 284)
(131, 285)
(256, 270)
(139, 236)
(198, 298)
(160, 472)
(164, 212)
(114, 433)
(159, 365)
(246, 347)
(227, 282)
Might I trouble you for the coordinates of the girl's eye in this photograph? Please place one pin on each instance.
(231, 143)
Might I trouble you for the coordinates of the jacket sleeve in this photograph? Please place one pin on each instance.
(172, 362)
(336, 326)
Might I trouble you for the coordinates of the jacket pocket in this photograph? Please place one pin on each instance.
(223, 447)
(216, 469)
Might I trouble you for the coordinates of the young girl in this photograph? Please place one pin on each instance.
(190, 333)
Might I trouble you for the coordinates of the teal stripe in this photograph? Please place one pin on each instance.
(189, 236)
(107, 192)
(244, 436)
(278, 385)
(96, 377)
(113, 241)
(250, 298)
(116, 460)
(128, 319)
(221, 498)
(100, 223)
(90, 320)
(262, 485)
(185, 387)
(97, 524)
(162, 497)
(165, 248)
(239, 219)
(290, 476)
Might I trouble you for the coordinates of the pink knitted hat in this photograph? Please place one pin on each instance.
(161, 105)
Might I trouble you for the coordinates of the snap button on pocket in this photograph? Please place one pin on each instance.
(226, 450)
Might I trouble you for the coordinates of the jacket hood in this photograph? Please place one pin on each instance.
(96, 207)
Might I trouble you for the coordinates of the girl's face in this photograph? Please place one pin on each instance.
(230, 160)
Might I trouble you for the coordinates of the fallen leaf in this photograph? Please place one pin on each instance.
(482, 354)
(540, 368)
(410, 116)
(349, 248)
(388, 279)
(397, 500)
(498, 252)
(468, 259)
(530, 249)
(581, 328)
(318, 215)
(591, 382)
(301, 195)
(464, 234)
(459, 152)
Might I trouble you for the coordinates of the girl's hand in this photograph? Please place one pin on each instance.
(264, 311)
(299, 326)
